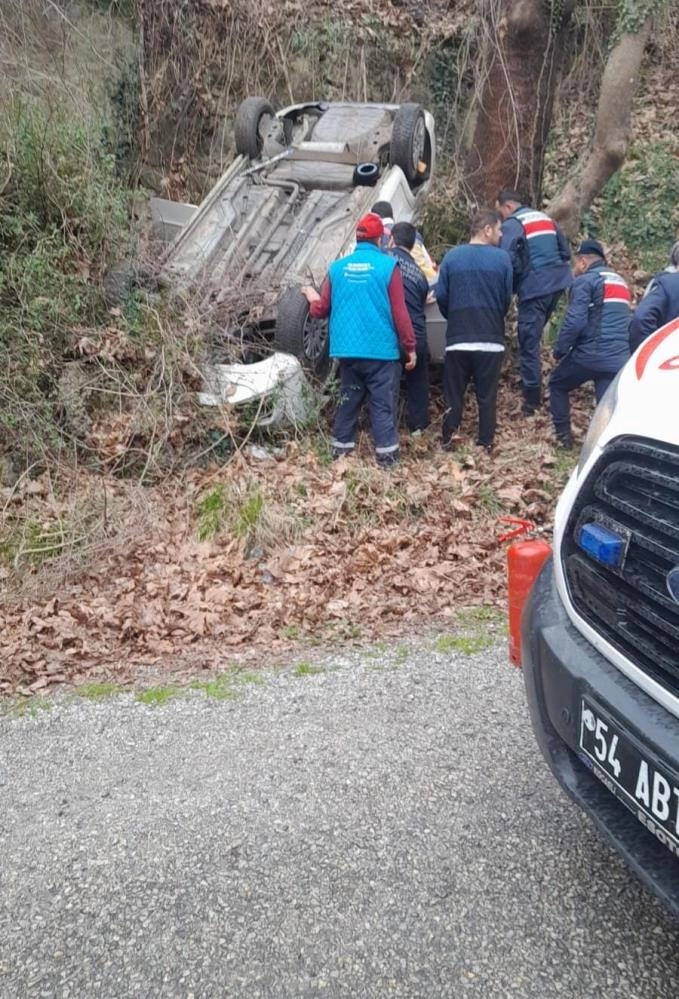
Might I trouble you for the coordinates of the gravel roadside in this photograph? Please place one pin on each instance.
(382, 827)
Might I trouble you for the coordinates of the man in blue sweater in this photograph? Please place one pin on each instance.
(363, 296)
(540, 257)
(592, 344)
(473, 292)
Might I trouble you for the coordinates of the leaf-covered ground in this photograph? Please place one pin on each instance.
(296, 550)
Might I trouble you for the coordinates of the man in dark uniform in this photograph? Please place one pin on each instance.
(363, 296)
(660, 303)
(540, 257)
(593, 343)
(401, 242)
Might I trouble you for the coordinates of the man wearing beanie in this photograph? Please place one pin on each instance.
(369, 325)
(592, 344)
(660, 303)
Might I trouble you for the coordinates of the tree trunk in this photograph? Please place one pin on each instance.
(525, 53)
(606, 153)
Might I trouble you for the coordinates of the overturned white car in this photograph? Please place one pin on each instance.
(287, 207)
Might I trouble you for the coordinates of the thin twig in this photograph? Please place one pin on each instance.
(81, 34)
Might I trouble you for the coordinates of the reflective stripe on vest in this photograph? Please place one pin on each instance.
(611, 300)
(541, 240)
(536, 224)
(615, 289)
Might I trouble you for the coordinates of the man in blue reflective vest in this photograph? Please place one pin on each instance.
(660, 303)
(540, 257)
(364, 298)
(593, 343)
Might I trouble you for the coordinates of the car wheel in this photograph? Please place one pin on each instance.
(299, 334)
(252, 120)
(410, 143)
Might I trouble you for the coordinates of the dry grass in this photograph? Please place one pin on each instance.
(54, 527)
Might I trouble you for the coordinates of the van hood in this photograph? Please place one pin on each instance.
(648, 390)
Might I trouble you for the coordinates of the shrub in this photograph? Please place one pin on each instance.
(639, 205)
(63, 220)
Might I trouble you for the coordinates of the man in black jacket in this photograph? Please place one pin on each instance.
(401, 242)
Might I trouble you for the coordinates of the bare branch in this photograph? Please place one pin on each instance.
(611, 135)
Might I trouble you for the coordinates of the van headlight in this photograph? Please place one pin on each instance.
(603, 415)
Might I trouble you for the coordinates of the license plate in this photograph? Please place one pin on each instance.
(632, 774)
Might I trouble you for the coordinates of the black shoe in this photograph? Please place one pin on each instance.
(565, 442)
(451, 443)
(531, 401)
(388, 460)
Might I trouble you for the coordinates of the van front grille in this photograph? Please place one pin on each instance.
(633, 490)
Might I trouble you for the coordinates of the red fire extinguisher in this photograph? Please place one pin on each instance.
(524, 560)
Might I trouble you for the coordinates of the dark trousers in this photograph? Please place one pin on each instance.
(375, 380)
(417, 391)
(568, 375)
(483, 367)
(532, 318)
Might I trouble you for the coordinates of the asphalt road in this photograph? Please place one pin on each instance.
(385, 827)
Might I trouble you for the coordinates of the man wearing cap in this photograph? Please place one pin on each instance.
(369, 325)
(593, 343)
(540, 256)
(660, 303)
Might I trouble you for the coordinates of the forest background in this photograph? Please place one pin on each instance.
(139, 532)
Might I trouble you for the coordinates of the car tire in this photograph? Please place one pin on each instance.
(305, 338)
(247, 134)
(410, 142)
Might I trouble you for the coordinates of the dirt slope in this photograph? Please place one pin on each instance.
(327, 552)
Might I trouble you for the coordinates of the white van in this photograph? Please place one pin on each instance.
(600, 632)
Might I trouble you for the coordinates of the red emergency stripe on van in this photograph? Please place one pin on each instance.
(541, 227)
(649, 347)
